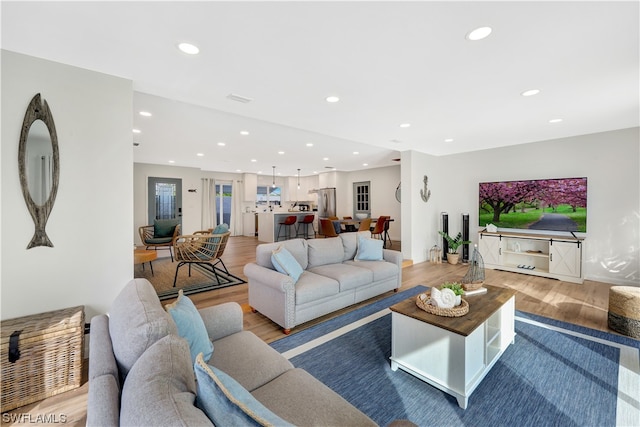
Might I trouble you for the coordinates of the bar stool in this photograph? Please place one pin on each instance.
(304, 222)
(287, 222)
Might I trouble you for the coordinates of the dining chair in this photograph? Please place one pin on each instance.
(327, 228)
(379, 229)
(365, 224)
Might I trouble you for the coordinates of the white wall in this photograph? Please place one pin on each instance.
(609, 160)
(90, 223)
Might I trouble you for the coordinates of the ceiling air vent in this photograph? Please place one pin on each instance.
(239, 98)
(329, 167)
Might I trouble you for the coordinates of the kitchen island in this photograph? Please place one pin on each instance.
(268, 223)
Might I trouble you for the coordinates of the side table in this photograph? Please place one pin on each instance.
(140, 256)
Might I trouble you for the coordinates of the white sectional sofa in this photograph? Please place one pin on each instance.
(332, 279)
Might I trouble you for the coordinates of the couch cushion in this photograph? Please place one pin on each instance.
(248, 359)
(227, 403)
(285, 263)
(160, 389)
(348, 276)
(369, 249)
(350, 243)
(302, 400)
(312, 287)
(190, 326)
(325, 251)
(381, 270)
(164, 227)
(297, 247)
(220, 229)
(136, 321)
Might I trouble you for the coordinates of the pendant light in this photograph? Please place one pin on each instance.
(273, 185)
(298, 178)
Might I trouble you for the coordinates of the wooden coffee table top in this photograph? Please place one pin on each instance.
(481, 307)
(141, 256)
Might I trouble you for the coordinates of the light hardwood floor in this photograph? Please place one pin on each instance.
(584, 305)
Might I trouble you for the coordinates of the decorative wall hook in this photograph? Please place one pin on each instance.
(425, 193)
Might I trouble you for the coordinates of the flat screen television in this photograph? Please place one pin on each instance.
(540, 204)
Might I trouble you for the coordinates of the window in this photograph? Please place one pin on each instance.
(268, 195)
(361, 198)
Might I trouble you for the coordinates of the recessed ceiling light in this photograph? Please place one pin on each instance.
(145, 113)
(253, 160)
(405, 125)
(238, 170)
(189, 49)
(365, 164)
(555, 120)
(221, 144)
(530, 92)
(478, 33)
(315, 172)
(332, 99)
(280, 152)
(309, 144)
(448, 140)
(172, 161)
(136, 131)
(325, 158)
(356, 152)
(244, 132)
(200, 154)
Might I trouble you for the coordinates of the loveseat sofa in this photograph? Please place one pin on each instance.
(141, 372)
(335, 274)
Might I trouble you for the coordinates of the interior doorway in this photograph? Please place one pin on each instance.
(165, 198)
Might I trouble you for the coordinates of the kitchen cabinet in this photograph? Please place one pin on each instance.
(250, 181)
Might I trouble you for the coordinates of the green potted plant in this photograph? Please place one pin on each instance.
(454, 243)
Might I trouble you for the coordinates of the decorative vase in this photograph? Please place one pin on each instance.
(453, 258)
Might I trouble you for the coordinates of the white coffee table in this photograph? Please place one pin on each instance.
(453, 354)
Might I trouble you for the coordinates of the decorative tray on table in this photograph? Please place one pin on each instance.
(458, 311)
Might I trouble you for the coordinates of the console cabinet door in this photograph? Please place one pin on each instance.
(564, 258)
(490, 248)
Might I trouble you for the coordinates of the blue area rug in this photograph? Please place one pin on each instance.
(556, 374)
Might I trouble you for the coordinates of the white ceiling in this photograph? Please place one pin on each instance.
(389, 62)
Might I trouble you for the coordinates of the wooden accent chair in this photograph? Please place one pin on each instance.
(326, 226)
(202, 248)
(365, 224)
(160, 234)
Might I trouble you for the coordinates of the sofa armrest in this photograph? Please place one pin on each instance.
(271, 278)
(222, 320)
(392, 256)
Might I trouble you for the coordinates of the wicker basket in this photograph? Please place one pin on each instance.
(51, 349)
(472, 286)
(458, 311)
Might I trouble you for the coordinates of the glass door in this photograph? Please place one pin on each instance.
(165, 198)
(224, 203)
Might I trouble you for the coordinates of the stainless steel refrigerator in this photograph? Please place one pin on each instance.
(326, 202)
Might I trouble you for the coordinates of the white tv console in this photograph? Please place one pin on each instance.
(554, 256)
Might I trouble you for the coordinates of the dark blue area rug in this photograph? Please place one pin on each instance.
(556, 374)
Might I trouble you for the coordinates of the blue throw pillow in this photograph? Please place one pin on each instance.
(220, 229)
(285, 263)
(227, 403)
(369, 249)
(191, 326)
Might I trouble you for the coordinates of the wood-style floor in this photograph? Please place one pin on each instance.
(584, 305)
